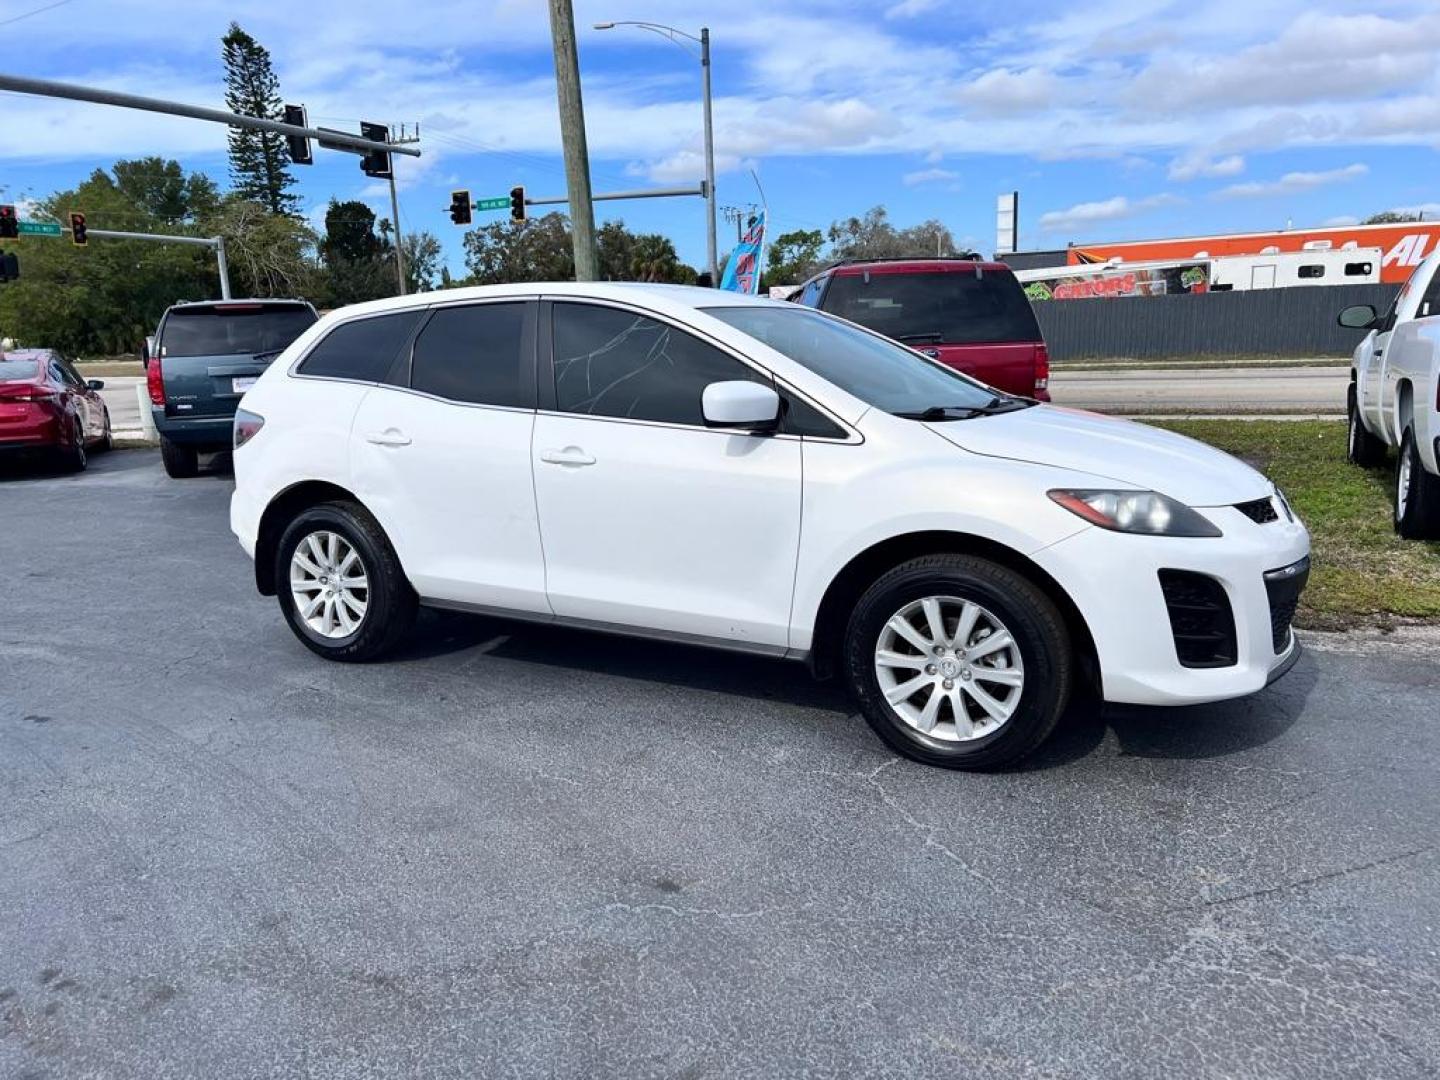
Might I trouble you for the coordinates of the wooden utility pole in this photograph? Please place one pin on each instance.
(572, 135)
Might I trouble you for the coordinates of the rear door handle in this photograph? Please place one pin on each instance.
(388, 437)
(571, 455)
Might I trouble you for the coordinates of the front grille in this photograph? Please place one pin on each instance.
(1200, 619)
(1283, 587)
(1260, 511)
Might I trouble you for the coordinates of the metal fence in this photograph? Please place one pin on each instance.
(1257, 322)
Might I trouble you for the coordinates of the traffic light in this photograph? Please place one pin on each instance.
(517, 203)
(375, 162)
(9, 223)
(300, 152)
(9, 266)
(460, 207)
(77, 229)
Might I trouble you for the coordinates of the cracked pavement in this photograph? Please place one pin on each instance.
(522, 851)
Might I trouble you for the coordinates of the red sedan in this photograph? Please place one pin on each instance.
(46, 406)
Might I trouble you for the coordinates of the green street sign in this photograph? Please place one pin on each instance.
(502, 203)
(39, 228)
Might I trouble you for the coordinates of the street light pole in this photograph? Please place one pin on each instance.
(704, 42)
(709, 162)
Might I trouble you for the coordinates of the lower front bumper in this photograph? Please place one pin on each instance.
(1113, 580)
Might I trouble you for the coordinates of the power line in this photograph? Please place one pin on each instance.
(37, 11)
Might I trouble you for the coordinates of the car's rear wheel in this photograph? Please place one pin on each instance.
(1361, 447)
(340, 584)
(1417, 494)
(958, 661)
(74, 457)
(181, 462)
(107, 441)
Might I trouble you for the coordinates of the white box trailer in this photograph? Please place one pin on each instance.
(1202, 273)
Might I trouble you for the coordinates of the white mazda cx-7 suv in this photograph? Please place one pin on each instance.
(746, 474)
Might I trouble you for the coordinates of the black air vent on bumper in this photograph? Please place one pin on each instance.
(1260, 511)
(1283, 587)
(1200, 619)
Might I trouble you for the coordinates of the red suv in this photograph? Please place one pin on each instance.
(972, 316)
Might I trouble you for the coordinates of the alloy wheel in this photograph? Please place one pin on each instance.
(949, 668)
(329, 584)
(1402, 479)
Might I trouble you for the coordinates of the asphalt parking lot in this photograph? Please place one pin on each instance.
(521, 851)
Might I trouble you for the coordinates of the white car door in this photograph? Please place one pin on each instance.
(442, 456)
(1371, 368)
(650, 519)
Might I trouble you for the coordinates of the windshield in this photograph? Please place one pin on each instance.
(878, 372)
(944, 307)
(15, 368)
(233, 329)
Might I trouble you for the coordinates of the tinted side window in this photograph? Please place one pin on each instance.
(362, 350)
(475, 354)
(613, 363)
(1430, 302)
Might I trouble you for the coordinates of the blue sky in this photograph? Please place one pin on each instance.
(1113, 120)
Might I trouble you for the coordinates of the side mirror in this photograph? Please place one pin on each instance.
(1357, 317)
(96, 384)
(741, 405)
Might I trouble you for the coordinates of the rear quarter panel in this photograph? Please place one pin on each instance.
(1414, 360)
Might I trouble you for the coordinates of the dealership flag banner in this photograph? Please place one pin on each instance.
(742, 271)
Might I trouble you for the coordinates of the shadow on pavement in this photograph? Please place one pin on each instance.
(1188, 733)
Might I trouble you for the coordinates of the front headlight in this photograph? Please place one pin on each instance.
(1145, 512)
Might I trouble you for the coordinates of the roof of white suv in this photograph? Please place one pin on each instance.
(649, 293)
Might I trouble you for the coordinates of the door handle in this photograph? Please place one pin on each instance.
(571, 455)
(388, 437)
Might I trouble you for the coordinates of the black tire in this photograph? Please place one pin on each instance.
(1420, 519)
(391, 603)
(181, 462)
(1361, 447)
(74, 457)
(1033, 621)
(107, 441)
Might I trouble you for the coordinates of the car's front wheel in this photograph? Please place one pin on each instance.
(340, 584)
(958, 661)
(1417, 494)
(1361, 447)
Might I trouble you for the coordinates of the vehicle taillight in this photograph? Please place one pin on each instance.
(38, 394)
(247, 426)
(1042, 369)
(154, 381)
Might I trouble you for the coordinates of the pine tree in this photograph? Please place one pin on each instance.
(258, 159)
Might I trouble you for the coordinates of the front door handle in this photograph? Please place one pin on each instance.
(571, 455)
(388, 437)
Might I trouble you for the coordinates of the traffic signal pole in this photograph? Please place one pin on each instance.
(49, 88)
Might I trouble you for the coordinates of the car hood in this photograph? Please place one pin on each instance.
(1134, 455)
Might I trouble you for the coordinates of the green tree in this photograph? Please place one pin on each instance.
(270, 254)
(422, 261)
(534, 250)
(653, 258)
(357, 260)
(794, 256)
(258, 159)
(1393, 217)
(873, 237)
(163, 189)
(103, 298)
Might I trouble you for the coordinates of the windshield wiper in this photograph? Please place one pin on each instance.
(993, 407)
(933, 335)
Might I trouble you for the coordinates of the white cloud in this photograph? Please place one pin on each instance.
(1428, 210)
(928, 176)
(1191, 166)
(1085, 214)
(1293, 182)
(908, 9)
(1004, 92)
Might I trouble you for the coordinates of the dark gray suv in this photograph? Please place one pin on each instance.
(201, 361)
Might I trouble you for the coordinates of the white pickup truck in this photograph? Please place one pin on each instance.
(1395, 396)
